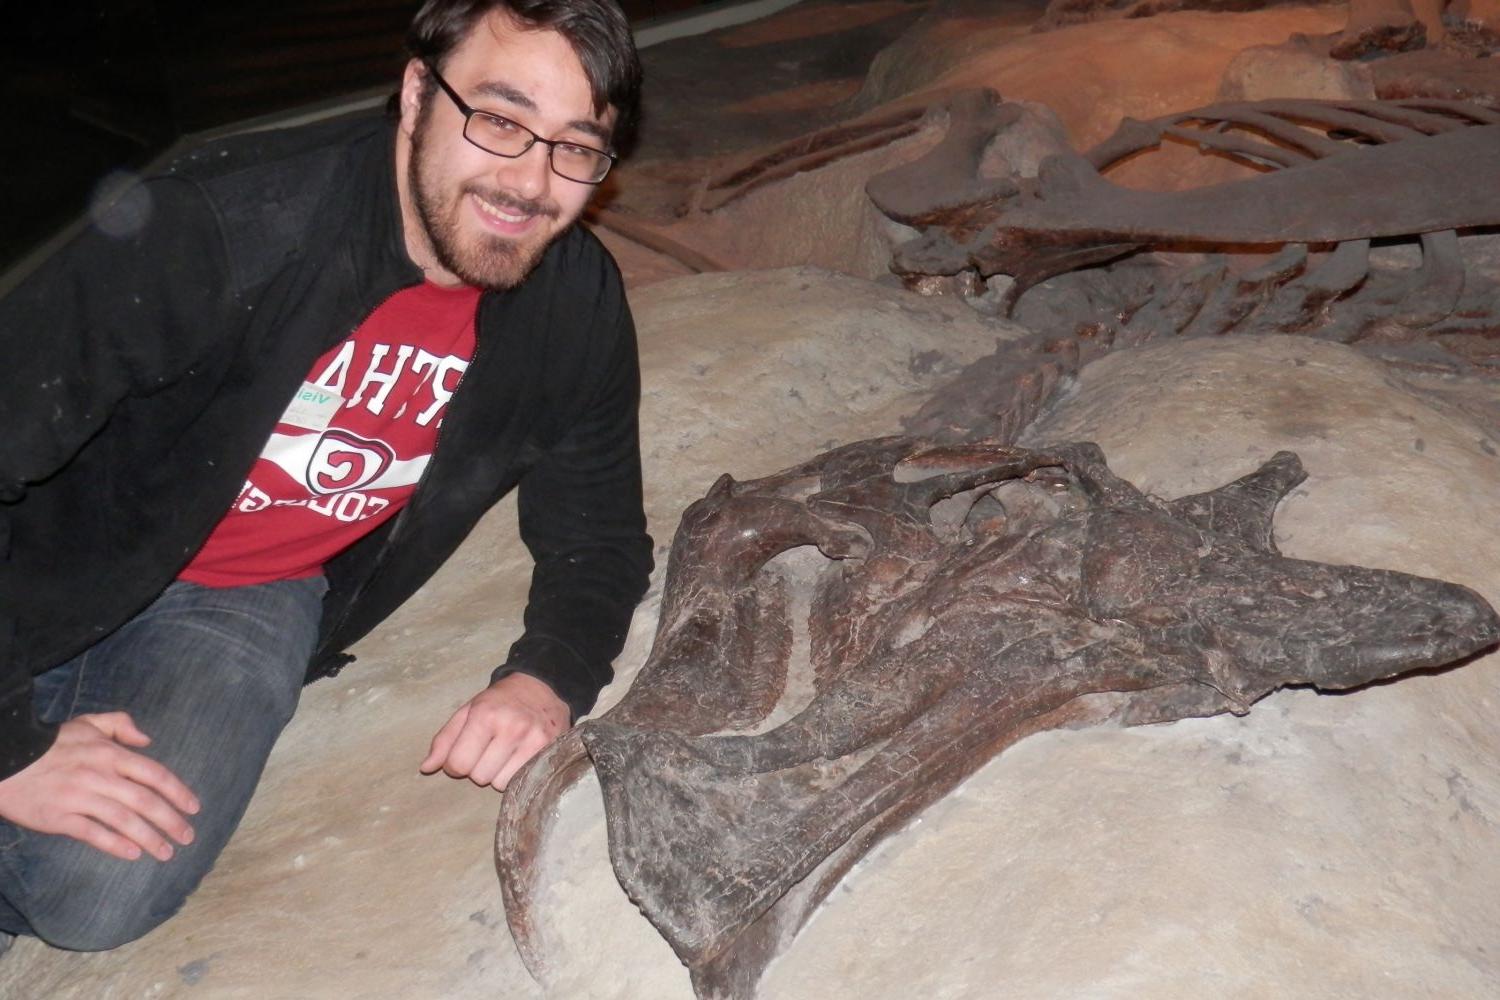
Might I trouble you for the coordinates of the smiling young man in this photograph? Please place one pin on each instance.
(257, 403)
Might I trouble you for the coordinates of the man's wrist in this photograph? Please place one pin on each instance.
(560, 666)
(518, 673)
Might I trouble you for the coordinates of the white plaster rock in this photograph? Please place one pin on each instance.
(354, 877)
(1295, 70)
(749, 372)
(1322, 846)
(820, 216)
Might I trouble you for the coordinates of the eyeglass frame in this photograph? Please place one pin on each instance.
(469, 112)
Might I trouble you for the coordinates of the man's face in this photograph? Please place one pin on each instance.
(473, 217)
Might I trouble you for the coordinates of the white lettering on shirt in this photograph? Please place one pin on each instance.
(337, 372)
(385, 380)
(437, 378)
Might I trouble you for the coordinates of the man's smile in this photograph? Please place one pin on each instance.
(509, 216)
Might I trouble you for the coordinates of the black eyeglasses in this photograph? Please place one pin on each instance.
(503, 137)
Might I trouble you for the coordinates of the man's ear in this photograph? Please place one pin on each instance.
(412, 82)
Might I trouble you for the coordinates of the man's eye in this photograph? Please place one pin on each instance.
(498, 125)
(580, 152)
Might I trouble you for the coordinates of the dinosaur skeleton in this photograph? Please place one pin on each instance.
(809, 152)
(1288, 251)
(965, 596)
(1337, 171)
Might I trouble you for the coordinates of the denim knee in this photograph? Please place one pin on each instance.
(97, 902)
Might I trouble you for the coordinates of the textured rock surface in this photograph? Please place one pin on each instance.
(1293, 70)
(1438, 73)
(749, 371)
(1092, 75)
(1333, 846)
(820, 217)
(1323, 845)
(355, 877)
(944, 641)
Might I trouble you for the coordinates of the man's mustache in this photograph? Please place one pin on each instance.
(513, 204)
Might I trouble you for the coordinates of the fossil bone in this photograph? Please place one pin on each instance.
(1327, 190)
(1337, 175)
(967, 596)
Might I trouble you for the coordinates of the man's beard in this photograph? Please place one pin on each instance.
(488, 261)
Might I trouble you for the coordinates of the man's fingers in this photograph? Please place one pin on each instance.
(498, 731)
(97, 835)
(118, 726)
(159, 780)
(154, 809)
(142, 800)
(128, 824)
(467, 750)
(531, 745)
(491, 762)
(93, 787)
(442, 743)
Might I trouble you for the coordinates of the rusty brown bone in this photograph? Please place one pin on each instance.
(1330, 160)
(966, 596)
(1334, 167)
(809, 152)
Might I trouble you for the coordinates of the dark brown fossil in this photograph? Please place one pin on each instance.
(1287, 251)
(963, 597)
(1336, 171)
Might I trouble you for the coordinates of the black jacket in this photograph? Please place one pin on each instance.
(146, 364)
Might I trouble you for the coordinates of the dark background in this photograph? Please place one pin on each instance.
(93, 86)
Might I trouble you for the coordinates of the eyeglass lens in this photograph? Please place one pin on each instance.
(504, 137)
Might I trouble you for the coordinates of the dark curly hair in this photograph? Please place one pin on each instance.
(597, 30)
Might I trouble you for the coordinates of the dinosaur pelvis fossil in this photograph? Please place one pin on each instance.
(959, 598)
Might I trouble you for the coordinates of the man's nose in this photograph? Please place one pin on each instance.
(530, 174)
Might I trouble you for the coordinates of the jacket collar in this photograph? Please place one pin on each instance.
(384, 264)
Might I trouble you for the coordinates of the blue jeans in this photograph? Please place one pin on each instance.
(212, 675)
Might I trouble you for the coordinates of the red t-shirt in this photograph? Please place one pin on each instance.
(351, 446)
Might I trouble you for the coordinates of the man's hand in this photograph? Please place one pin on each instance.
(90, 787)
(498, 730)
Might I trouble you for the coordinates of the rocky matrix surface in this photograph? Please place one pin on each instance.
(1322, 846)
